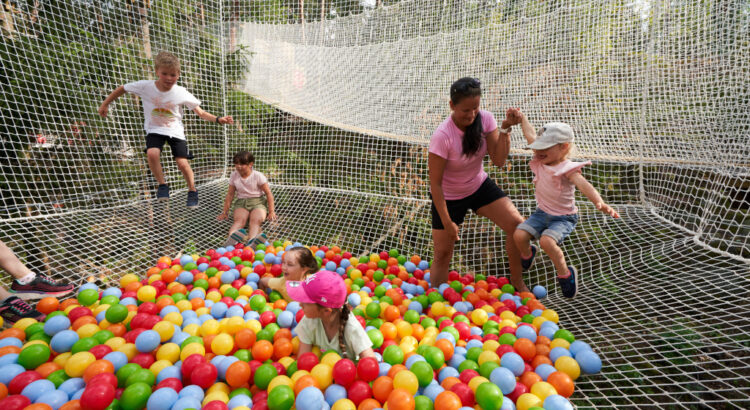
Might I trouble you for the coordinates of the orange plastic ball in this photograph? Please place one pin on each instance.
(382, 388)
(529, 378)
(447, 400)
(562, 383)
(525, 348)
(244, 339)
(262, 350)
(48, 305)
(400, 399)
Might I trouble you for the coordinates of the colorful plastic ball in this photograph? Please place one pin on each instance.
(539, 291)
(15, 402)
(281, 398)
(116, 313)
(447, 400)
(147, 341)
(513, 362)
(434, 356)
(367, 369)
(334, 393)
(562, 383)
(263, 375)
(406, 380)
(53, 398)
(344, 404)
(589, 362)
(344, 372)
(97, 396)
(527, 400)
(162, 399)
(400, 399)
(310, 398)
(578, 346)
(423, 372)
(307, 361)
(557, 402)
(204, 375)
(504, 378)
(88, 297)
(34, 355)
(393, 355)
(569, 366)
(543, 389)
(36, 388)
(56, 324)
(187, 402)
(135, 396)
(489, 396)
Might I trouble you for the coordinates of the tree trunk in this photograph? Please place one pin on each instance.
(143, 11)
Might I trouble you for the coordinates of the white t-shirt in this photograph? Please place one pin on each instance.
(312, 332)
(162, 111)
(250, 187)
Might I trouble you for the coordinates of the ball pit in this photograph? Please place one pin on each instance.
(196, 332)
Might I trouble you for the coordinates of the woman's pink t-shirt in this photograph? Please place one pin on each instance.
(250, 187)
(555, 194)
(463, 175)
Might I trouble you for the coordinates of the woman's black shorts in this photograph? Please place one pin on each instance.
(487, 193)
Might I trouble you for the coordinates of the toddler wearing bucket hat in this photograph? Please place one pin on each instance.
(328, 323)
(555, 179)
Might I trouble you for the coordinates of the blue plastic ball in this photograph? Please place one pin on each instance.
(162, 399)
(513, 362)
(558, 352)
(9, 371)
(147, 341)
(526, 332)
(539, 291)
(310, 398)
(285, 319)
(334, 393)
(504, 379)
(544, 370)
(53, 398)
(578, 346)
(589, 362)
(187, 402)
(240, 400)
(557, 402)
(37, 388)
(71, 386)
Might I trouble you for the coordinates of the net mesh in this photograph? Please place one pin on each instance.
(338, 99)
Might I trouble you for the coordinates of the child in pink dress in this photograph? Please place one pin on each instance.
(556, 179)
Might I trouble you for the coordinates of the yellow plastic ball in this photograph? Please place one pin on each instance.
(146, 293)
(245, 272)
(184, 305)
(542, 390)
(24, 323)
(476, 381)
(488, 356)
(344, 404)
(202, 311)
(508, 323)
(280, 381)
(217, 395)
(330, 359)
(355, 274)
(508, 315)
(153, 278)
(115, 342)
(62, 358)
(213, 296)
(479, 317)
(222, 344)
(169, 352)
(77, 364)
(404, 329)
(219, 387)
(299, 373)
(550, 315)
(286, 361)
(159, 365)
(537, 322)
(437, 309)
(254, 325)
(491, 345)
(192, 348)
(406, 380)
(527, 401)
(192, 329)
(234, 324)
(127, 279)
(129, 349)
(87, 330)
(210, 327)
(569, 366)
(165, 329)
(559, 343)
(323, 374)
(246, 290)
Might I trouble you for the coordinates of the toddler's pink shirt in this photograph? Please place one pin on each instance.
(463, 174)
(249, 187)
(555, 194)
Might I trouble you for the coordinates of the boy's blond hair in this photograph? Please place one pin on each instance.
(166, 59)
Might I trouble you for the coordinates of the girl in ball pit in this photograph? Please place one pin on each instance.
(327, 322)
(296, 264)
(458, 181)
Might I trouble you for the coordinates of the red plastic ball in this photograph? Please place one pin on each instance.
(97, 396)
(145, 360)
(367, 369)
(344, 372)
(359, 391)
(14, 402)
(215, 405)
(100, 351)
(204, 375)
(79, 312)
(190, 363)
(467, 375)
(307, 361)
(518, 391)
(464, 392)
(109, 378)
(267, 318)
(171, 382)
(22, 380)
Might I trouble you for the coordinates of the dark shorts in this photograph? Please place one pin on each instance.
(179, 146)
(487, 193)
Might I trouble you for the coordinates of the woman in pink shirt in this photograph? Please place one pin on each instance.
(254, 200)
(556, 179)
(458, 181)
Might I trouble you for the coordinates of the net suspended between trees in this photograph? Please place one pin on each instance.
(338, 99)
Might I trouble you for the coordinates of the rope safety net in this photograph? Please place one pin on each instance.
(337, 100)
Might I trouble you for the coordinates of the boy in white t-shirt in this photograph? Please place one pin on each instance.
(162, 110)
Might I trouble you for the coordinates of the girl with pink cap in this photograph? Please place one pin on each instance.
(328, 323)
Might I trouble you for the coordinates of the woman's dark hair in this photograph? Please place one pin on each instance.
(306, 259)
(243, 158)
(464, 88)
(342, 328)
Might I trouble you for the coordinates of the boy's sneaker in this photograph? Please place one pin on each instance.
(192, 199)
(526, 263)
(261, 238)
(14, 309)
(569, 285)
(41, 286)
(162, 192)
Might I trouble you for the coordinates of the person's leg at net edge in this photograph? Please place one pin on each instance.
(13, 308)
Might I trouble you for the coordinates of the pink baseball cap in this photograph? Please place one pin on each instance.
(325, 288)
